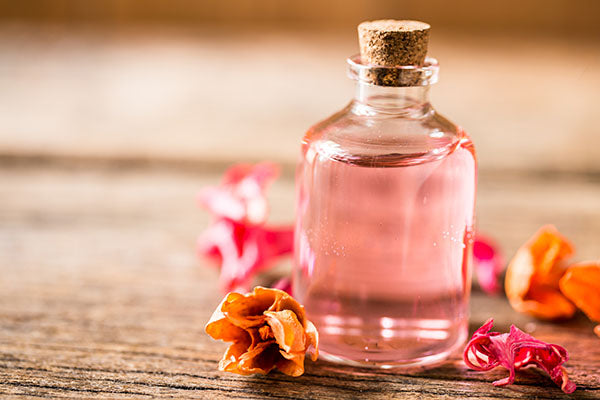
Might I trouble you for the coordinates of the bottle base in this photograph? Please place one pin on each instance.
(404, 365)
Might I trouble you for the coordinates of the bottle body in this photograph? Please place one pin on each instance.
(385, 200)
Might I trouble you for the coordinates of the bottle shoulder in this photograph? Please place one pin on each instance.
(408, 137)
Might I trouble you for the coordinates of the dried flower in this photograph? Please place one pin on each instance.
(241, 195)
(581, 285)
(242, 250)
(515, 350)
(238, 239)
(488, 262)
(269, 330)
(533, 274)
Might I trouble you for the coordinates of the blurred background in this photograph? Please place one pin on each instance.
(114, 112)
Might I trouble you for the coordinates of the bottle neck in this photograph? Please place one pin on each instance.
(391, 99)
(406, 89)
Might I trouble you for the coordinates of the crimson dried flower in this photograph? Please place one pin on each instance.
(242, 250)
(268, 330)
(241, 195)
(488, 263)
(516, 350)
(238, 238)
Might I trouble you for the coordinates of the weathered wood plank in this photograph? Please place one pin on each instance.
(101, 295)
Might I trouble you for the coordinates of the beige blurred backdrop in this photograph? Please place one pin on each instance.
(216, 81)
(197, 85)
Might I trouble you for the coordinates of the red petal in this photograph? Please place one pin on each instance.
(238, 239)
(515, 350)
(241, 195)
(489, 263)
(243, 250)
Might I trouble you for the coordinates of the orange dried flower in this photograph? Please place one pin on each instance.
(533, 274)
(268, 329)
(581, 285)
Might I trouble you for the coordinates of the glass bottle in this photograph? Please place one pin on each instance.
(384, 229)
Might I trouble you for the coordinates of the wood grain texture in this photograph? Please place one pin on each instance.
(101, 295)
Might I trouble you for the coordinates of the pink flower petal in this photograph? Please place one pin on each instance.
(488, 263)
(243, 250)
(238, 239)
(241, 194)
(515, 350)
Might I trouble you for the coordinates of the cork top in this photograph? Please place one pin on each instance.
(392, 43)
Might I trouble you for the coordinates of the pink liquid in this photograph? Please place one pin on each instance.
(383, 246)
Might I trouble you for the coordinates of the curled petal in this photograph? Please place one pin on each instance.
(233, 355)
(247, 311)
(268, 329)
(292, 365)
(288, 331)
(258, 360)
(287, 302)
(533, 274)
(548, 250)
(313, 339)
(223, 204)
(516, 350)
(560, 375)
(581, 285)
(476, 353)
(238, 239)
(597, 330)
(219, 327)
(241, 195)
(546, 303)
(243, 250)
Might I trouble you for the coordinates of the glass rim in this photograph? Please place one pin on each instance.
(402, 76)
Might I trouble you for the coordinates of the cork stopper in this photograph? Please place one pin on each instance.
(391, 43)
(395, 50)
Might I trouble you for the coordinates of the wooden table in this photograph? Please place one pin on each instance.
(101, 296)
(104, 142)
